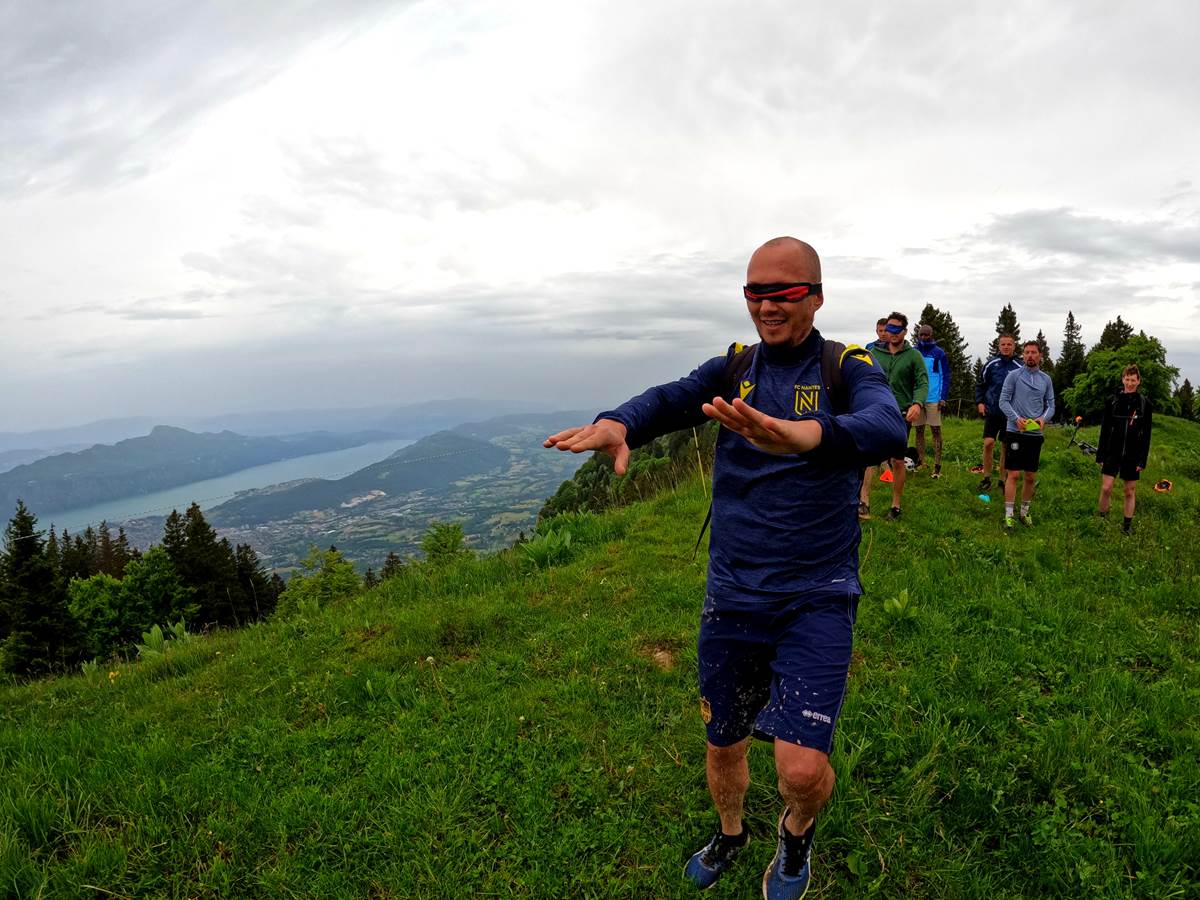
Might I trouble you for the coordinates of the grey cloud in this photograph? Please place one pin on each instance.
(93, 92)
(154, 314)
(1093, 237)
(427, 180)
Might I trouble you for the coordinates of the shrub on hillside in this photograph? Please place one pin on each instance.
(326, 576)
(443, 542)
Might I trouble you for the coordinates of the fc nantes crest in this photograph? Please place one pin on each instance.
(808, 398)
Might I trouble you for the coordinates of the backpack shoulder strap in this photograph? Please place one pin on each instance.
(738, 360)
(833, 357)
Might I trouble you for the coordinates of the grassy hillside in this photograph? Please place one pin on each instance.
(488, 730)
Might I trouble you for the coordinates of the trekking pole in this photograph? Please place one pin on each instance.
(700, 461)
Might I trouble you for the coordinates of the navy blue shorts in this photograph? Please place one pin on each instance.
(779, 669)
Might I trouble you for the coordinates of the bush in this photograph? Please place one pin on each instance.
(327, 576)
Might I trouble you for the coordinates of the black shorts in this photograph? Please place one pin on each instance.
(1125, 469)
(994, 425)
(1022, 450)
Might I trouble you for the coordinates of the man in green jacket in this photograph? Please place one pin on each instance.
(904, 368)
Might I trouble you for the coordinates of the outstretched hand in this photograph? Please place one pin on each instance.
(763, 431)
(606, 435)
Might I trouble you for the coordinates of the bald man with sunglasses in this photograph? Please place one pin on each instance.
(783, 586)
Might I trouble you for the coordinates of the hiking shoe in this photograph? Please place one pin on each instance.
(707, 863)
(984, 485)
(937, 472)
(787, 876)
(1027, 520)
(893, 514)
(977, 470)
(1009, 523)
(864, 511)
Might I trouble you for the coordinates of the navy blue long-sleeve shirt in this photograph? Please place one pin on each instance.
(783, 524)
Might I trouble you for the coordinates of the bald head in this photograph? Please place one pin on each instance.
(783, 260)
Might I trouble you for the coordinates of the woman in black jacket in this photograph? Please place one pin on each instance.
(1124, 442)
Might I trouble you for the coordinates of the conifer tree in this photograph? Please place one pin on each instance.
(75, 560)
(1185, 396)
(1047, 360)
(370, 579)
(255, 586)
(961, 397)
(37, 628)
(392, 566)
(106, 561)
(1115, 335)
(122, 551)
(174, 536)
(1071, 361)
(1006, 323)
(206, 565)
(92, 542)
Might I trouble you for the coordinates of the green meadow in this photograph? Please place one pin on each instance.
(1022, 720)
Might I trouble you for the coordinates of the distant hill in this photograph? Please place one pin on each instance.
(165, 458)
(431, 463)
(490, 477)
(10, 459)
(409, 420)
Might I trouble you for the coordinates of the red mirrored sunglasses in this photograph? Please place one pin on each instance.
(781, 293)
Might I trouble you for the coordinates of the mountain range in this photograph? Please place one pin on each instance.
(166, 457)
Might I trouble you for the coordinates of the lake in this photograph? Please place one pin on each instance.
(215, 491)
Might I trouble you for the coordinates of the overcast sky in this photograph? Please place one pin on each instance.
(224, 206)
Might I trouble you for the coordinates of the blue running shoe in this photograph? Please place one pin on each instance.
(707, 863)
(787, 876)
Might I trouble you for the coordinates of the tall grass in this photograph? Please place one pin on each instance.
(1027, 727)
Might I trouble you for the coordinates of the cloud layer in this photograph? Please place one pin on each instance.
(361, 199)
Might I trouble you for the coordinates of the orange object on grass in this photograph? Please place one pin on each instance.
(887, 476)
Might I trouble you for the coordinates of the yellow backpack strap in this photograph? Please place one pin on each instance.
(856, 352)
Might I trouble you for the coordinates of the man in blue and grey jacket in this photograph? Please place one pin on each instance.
(987, 396)
(1027, 401)
(937, 364)
(783, 585)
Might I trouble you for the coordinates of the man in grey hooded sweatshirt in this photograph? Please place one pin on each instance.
(1027, 401)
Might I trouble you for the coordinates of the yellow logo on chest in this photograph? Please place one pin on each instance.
(808, 398)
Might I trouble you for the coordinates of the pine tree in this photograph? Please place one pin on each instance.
(1115, 335)
(73, 561)
(254, 584)
(1071, 361)
(1043, 347)
(976, 375)
(1186, 397)
(392, 566)
(1006, 323)
(34, 620)
(174, 536)
(106, 561)
(92, 543)
(370, 579)
(961, 396)
(208, 566)
(122, 552)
